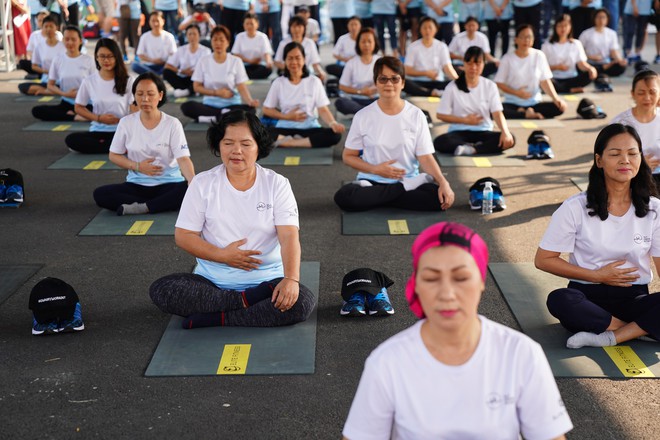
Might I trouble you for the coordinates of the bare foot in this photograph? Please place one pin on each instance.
(531, 114)
(577, 90)
(79, 118)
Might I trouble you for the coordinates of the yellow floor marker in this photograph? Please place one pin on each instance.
(94, 165)
(433, 99)
(249, 82)
(570, 97)
(140, 227)
(482, 162)
(180, 100)
(292, 160)
(234, 359)
(528, 124)
(628, 362)
(398, 227)
(46, 98)
(62, 127)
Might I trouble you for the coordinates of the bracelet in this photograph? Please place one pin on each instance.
(292, 279)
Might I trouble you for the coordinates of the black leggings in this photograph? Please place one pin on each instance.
(565, 85)
(614, 70)
(530, 15)
(485, 142)
(90, 142)
(335, 69)
(590, 307)
(423, 88)
(27, 66)
(548, 109)
(24, 88)
(194, 109)
(319, 137)
(159, 198)
(185, 294)
(258, 71)
(178, 82)
(350, 106)
(57, 112)
(353, 197)
(495, 28)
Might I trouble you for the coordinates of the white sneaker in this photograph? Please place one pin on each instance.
(465, 150)
(181, 93)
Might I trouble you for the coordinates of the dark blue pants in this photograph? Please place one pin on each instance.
(380, 21)
(271, 21)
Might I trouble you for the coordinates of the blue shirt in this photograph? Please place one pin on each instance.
(341, 8)
(489, 14)
(241, 5)
(273, 6)
(383, 7)
(525, 3)
(643, 6)
(449, 13)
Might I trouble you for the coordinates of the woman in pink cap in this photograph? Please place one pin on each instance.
(455, 374)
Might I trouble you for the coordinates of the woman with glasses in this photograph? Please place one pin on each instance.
(109, 91)
(387, 142)
(295, 101)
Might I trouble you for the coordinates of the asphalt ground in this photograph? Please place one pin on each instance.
(92, 384)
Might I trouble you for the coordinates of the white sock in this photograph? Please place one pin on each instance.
(412, 183)
(134, 208)
(586, 339)
(362, 183)
(206, 119)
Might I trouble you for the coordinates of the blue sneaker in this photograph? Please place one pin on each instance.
(3, 191)
(498, 202)
(75, 324)
(14, 194)
(546, 152)
(355, 306)
(41, 329)
(656, 60)
(476, 199)
(380, 305)
(533, 151)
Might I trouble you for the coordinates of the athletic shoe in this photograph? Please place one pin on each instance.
(533, 151)
(632, 59)
(465, 150)
(14, 194)
(546, 152)
(181, 93)
(656, 60)
(355, 306)
(3, 192)
(41, 329)
(75, 324)
(477, 199)
(380, 305)
(498, 202)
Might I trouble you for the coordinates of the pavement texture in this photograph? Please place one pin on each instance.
(92, 384)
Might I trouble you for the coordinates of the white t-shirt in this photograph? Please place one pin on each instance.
(214, 75)
(649, 132)
(184, 59)
(358, 75)
(482, 100)
(166, 143)
(44, 55)
(224, 215)
(100, 93)
(36, 38)
(158, 47)
(257, 46)
(381, 137)
(593, 243)
(311, 52)
(308, 95)
(205, 27)
(69, 72)
(526, 72)
(345, 47)
(420, 57)
(312, 29)
(569, 53)
(505, 389)
(600, 43)
(461, 43)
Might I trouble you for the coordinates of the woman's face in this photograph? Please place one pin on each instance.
(367, 44)
(563, 28)
(72, 41)
(192, 35)
(449, 286)
(297, 32)
(428, 29)
(525, 39)
(354, 27)
(388, 89)
(473, 68)
(600, 20)
(621, 159)
(106, 59)
(238, 149)
(147, 96)
(647, 93)
(471, 27)
(219, 43)
(156, 23)
(49, 29)
(294, 62)
(250, 25)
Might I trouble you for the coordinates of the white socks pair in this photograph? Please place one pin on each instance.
(586, 339)
(412, 183)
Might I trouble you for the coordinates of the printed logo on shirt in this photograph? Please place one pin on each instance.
(184, 147)
(293, 213)
(261, 206)
(639, 239)
(495, 400)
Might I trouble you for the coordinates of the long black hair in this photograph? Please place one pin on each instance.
(473, 53)
(642, 186)
(121, 74)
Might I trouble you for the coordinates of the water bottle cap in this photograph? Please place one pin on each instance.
(489, 184)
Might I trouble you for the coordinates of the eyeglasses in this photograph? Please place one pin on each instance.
(105, 57)
(385, 79)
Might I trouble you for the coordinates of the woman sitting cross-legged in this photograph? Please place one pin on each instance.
(601, 44)
(467, 104)
(152, 146)
(241, 223)
(295, 100)
(253, 47)
(386, 143)
(181, 65)
(155, 47)
(221, 78)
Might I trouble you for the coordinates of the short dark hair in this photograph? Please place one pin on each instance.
(642, 186)
(159, 14)
(472, 18)
(217, 130)
(251, 16)
(194, 26)
(604, 11)
(354, 17)
(160, 85)
(50, 18)
(561, 18)
(297, 20)
(76, 29)
(521, 28)
(288, 48)
(363, 31)
(427, 18)
(393, 63)
(221, 29)
(644, 75)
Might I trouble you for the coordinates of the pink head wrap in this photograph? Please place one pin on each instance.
(445, 234)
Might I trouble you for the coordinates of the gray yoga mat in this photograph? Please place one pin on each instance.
(298, 156)
(481, 161)
(57, 126)
(77, 161)
(526, 288)
(581, 182)
(272, 350)
(13, 276)
(534, 124)
(38, 99)
(196, 126)
(388, 221)
(109, 223)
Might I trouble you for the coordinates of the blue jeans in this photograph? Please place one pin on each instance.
(390, 20)
(551, 9)
(613, 8)
(171, 22)
(271, 21)
(141, 68)
(214, 11)
(634, 27)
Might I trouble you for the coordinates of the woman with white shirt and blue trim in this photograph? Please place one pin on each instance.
(154, 48)
(345, 47)
(152, 146)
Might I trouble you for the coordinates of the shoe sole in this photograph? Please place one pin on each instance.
(381, 312)
(352, 313)
(71, 329)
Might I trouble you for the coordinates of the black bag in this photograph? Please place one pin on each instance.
(11, 178)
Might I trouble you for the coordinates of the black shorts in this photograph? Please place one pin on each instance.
(405, 19)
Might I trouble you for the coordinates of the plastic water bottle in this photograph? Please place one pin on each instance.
(487, 204)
